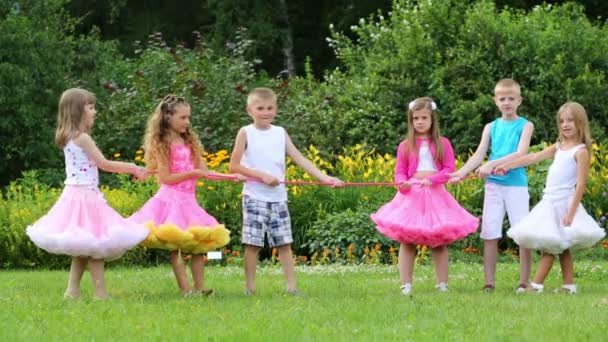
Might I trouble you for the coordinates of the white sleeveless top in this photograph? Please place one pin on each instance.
(265, 151)
(79, 169)
(561, 180)
(425, 158)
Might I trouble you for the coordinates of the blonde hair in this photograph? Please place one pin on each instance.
(261, 94)
(419, 104)
(156, 143)
(507, 83)
(70, 114)
(581, 121)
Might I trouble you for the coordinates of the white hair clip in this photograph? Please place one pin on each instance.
(413, 103)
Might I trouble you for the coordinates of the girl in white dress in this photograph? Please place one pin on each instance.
(559, 223)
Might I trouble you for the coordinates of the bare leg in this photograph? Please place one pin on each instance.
(441, 258)
(567, 264)
(544, 266)
(96, 266)
(286, 259)
(490, 254)
(198, 272)
(251, 264)
(76, 272)
(179, 270)
(525, 265)
(407, 255)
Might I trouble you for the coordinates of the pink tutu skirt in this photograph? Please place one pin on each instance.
(81, 223)
(176, 222)
(425, 215)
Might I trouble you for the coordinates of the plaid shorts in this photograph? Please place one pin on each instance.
(271, 218)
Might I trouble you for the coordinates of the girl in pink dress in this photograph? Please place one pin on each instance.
(80, 223)
(176, 221)
(423, 212)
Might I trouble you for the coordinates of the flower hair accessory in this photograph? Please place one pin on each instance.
(413, 103)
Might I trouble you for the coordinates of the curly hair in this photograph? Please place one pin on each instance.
(156, 143)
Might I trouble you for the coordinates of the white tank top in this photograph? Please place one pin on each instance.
(79, 169)
(425, 158)
(561, 180)
(265, 151)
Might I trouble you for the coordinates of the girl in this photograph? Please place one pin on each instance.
(175, 219)
(81, 224)
(423, 212)
(559, 222)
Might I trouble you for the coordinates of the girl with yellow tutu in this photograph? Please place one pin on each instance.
(175, 220)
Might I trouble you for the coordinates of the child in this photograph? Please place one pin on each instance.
(508, 138)
(80, 223)
(559, 223)
(423, 212)
(175, 219)
(259, 152)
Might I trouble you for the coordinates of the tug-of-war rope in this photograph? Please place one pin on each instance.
(297, 182)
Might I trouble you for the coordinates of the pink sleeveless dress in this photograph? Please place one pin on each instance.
(174, 217)
(81, 223)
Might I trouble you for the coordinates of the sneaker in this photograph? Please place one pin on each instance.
(406, 289)
(294, 292)
(249, 292)
(535, 288)
(569, 289)
(199, 293)
(71, 296)
(521, 288)
(442, 287)
(488, 288)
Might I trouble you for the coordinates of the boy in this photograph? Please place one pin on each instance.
(508, 138)
(259, 152)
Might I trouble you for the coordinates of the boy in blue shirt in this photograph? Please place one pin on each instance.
(508, 138)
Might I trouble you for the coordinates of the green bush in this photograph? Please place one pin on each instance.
(341, 229)
(453, 51)
(40, 58)
(214, 82)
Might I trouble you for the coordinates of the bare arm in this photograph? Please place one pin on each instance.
(528, 159)
(522, 148)
(85, 142)
(305, 163)
(240, 144)
(582, 172)
(480, 153)
(206, 173)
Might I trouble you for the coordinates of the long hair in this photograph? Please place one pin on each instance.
(416, 105)
(156, 142)
(581, 121)
(70, 114)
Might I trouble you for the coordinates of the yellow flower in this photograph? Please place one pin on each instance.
(210, 188)
(116, 155)
(200, 183)
(138, 158)
(139, 152)
(595, 147)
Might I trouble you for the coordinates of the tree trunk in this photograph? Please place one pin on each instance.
(288, 55)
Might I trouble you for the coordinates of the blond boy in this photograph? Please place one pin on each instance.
(259, 152)
(507, 138)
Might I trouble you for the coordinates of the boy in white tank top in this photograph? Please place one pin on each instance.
(259, 152)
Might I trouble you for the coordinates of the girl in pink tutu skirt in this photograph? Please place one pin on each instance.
(173, 216)
(80, 223)
(559, 223)
(423, 212)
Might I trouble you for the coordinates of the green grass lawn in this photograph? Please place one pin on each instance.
(337, 303)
